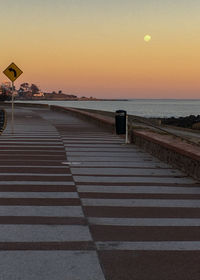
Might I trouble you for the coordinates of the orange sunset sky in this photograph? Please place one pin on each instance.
(97, 48)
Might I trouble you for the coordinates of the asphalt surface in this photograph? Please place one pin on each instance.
(78, 204)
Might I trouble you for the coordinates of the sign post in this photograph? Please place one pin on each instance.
(12, 72)
(126, 140)
(12, 122)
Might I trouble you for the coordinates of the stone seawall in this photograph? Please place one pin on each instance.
(172, 150)
(99, 119)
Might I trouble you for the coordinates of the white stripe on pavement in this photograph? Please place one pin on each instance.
(63, 183)
(39, 195)
(150, 246)
(44, 233)
(36, 145)
(117, 179)
(125, 171)
(50, 265)
(147, 222)
(177, 203)
(42, 211)
(36, 174)
(138, 189)
(34, 166)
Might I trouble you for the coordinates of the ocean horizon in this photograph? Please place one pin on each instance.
(158, 108)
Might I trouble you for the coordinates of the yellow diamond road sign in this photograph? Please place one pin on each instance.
(12, 72)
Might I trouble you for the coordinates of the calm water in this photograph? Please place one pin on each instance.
(138, 107)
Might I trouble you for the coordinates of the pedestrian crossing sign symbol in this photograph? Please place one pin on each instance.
(12, 72)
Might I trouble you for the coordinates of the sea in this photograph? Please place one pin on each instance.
(158, 108)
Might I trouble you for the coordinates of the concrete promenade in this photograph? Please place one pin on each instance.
(78, 204)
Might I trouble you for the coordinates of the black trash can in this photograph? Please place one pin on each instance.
(120, 122)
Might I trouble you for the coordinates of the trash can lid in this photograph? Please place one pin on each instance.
(120, 111)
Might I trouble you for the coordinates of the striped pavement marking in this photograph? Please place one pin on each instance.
(104, 149)
(133, 164)
(76, 202)
(41, 233)
(138, 189)
(36, 166)
(18, 151)
(32, 155)
(32, 142)
(28, 146)
(32, 137)
(142, 179)
(82, 138)
(108, 218)
(31, 160)
(50, 211)
(49, 183)
(108, 159)
(38, 195)
(40, 209)
(154, 246)
(43, 211)
(51, 265)
(150, 222)
(93, 145)
(127, 171)
(127, 154)
(142, 202)
(35, 174)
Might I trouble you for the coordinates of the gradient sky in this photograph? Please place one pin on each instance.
(96, 47)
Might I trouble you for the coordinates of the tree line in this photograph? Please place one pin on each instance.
(25, 87)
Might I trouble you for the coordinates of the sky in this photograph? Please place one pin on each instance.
(97, 48)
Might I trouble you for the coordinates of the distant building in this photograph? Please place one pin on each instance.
(39, 94)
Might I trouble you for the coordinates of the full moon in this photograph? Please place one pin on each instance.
(147, 38)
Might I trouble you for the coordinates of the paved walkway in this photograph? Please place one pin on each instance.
(77, 204)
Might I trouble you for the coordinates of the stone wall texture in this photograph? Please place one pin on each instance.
(187, 162)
